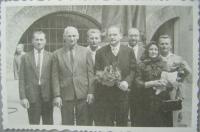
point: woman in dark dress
(148, 80)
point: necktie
(135, 52)
(38, 64)
(72, 58)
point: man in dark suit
(34, 81)
(71, 73)
(94, 40)
(137, 47)
(112, 102)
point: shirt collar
(166, 58)
(169, 55)
(136, 46)
(116, 47)
(36, 51)
(92, 50)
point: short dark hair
(93, 30)
(164, 36)
(38, 32)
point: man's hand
(123, 85)
(25, 103)
(57, 102)
(90, 98)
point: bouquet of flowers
(182, 72)
(175, 76)
(110, 76)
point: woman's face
(153, 51)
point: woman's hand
(156, 83)
(163, 82)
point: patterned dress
(150, 112)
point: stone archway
(154, 21)
(23, 18)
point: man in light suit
(94, 40)
(34, 81)
(112, 102)
(71, 73)
(138, 48)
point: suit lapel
(32, 61)
(66, 58)
(139, 54)
(108, 54)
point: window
(53, 25)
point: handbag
(171, 105)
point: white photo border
(195, 100)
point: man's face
(114, 36)
(71, 37)
(94, 39)
(164, 45)
(20, 48)
(39, 41)
(134, 37)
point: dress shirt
(170, 59)
(36, 61)
(93, 53)
(115, 49)
(135, 49)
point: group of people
(66, 79)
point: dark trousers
(134, 110)
(91, 114)
(109, 111)
(40, 109)
(74, 111)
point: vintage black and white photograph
(101, 65)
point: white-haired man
(71, 72)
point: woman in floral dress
(149, 80)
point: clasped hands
(123, 85)
(159, 85)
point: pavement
(17, 115)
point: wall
(156, 16)
(20, 18)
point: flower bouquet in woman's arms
(183, 72)
(175, 75)
(110, 76)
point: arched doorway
(53, 25)
(169, 28)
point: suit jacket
(28, 77)
(140, 52)
(68, 82)
(126, 64)
(135, 92)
